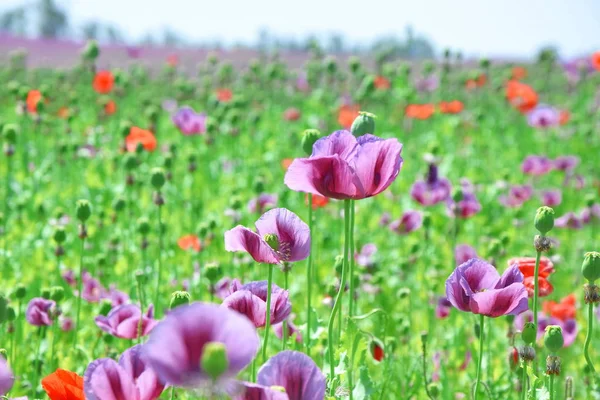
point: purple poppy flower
(566, 163)
(133, 51)
(569, 220)
(409, 222)
(7, 379)
(589, 212)
(551, 198)
(569, 330)
(292, 329)
(189, 122)
(476, 286)
(252, 391)
(69, 277)
(175, 347)
(574, 69)
(536, 165)
(226, 286)
(261, 203)
(251, 300)
(427, 84)
(93, 291)
(116, 297)
(131, 378)
(66, 323)
(366, 257)
(517, 196)
(297, 373)
(463, 253)
(293, 237)
(433, 190)
(443, 307)
(124, 321)
(169, 105)
(385, 219)
(467, 206)
(39, 311)
(344, 167)
(543, 116)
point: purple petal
(497, 302)
(377, 163)
(246, 303)
(104, 379)
(241, 238)
(292, 232)
(342, 143)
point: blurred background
(510, 30)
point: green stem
(536, 288)
(309, 276)
(337, 304)
(268, 323)
(285, 322)
(80, 294)
(158, 259)
(172, 392)
(588, 339)
(141, 299)
(351, 299)
(551, 387)
(54, 333)
(6, 210)
(524, 384)
(479, 362)
(37, 364)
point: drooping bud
(529, 333)
(57, 293)
(214, 359)
(157, 178)
(553, 338)
(363, 124)
(83, 210)
(309, 137)
(591, 266)
(179, 298)
(272, 240)
(544, 220)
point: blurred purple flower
(476, 287)
(131, 378)
(543, 116)
(169, 105)
(251, 300)
(66, 323)
(565, 163)
(569, 220)
(176, 345)
(261, 203)
(133, 51)
(385, 219)
(124, 321)
(443, 307)
(427, 84)
(517, 196)
(409, 222)
(433, 190)
(467, 206)
(292, 234)
(366, 257)
(116, 296)
(551, 198)
(297, 373)
(226, 286)
(39, 311)
(291, 330)
(189, 122)
(7, 379)
(569, 326)
(463, 253)
(253, 391)
(536, 165)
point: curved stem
(158, 273)
(351, 304)
(37, 363)
(309, 276)
(337, 304)
(479, 362)
(268, 323)
(588, 339)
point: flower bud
(143, 226)
(457, 195)
(57, 293)
(59, 235)
(10, 131)
(544, 220)
(140, 277)
(309, 137)
(213, 271)
(91, 50)
(434, 389)
(272, 240)
(83, 210)
(157, 178)
(529, 333)
(214, 359)
(179, 298)
(119, 204)
(553, 338)
(363, 124)
(105, 307)
(377, 349)
(11, 314)
(20, 291)
(591, 266)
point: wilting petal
(241, 238)
(377, 163)
(328, 176)
(293, 234)
(296, 372)
(246, 303)
(104, 379)
(497, 302)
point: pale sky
(477, 27)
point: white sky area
(477, 27)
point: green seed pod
(140, 277)
(553, 338)
(20, 291)
(363, 124)
(57, 293)
(403, 293)
(45, 293)
(309, 137)
(259, 185)
(143, 226)
(214, 359)
(434, 389)
(544, 220)
(83, 210)
(179, 298)
(91, 51)
(10, 132)
(131, 162)
(213, 272)
(591, 266)
(528, 334)
(11, 315)
(157, 178)
(484, 63)
(168, 161)
(119, 204)
(59, 235)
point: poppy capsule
(377, 350)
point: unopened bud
(544, 220)
(591, 266)
(83, 210)
(553, 338)
(363, 124)
(179, 298)
(309, 137)
(157, 178)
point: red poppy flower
(521, 96)
(291, 114)
(527, 267)
(451, 107)
(139, 135)
(103, 82)
(347, 114)
(477, 82)
(63, 112)
(189, 242)
(381, 83)
(63, 385)
(286, 162)
(33, 98)
(518, 73)
(563, 117)
(596, 60)
(377, 351)
(110, 107)
(224, 95)
(317, 201)
(173, 60)
(564, 310)
(419, 111)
